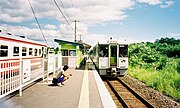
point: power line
(72, 4)
(65, 10)
(74, 8)
(63, 14)
(37, 22)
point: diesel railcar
(110, 57)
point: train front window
(16, 51)
(113, 51)
(123, 50)
(3, 50)
(103, 51)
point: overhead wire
(72, 4)
(62, 14)
(37, 22)
(65, 10)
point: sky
(130, 20)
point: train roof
(11, 37)
(105, 42)
(113, 41)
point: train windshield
(123, 50)
(103, 51)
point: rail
(126, 96)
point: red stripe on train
(19, 58)
(16, 40)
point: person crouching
(61, 76)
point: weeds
(163, 81)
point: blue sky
(145, 23)
(133, 20)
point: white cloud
(161, 3)
(150, 2)
(88, 12)
(33, 33)
(34, 24)
(14, 11)
(167, 4)
(175, 35)
(49, 26)
(94, 38)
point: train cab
(110, 57)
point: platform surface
(84, 89)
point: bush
(163, 81)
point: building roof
(63, 41)
(84, 44)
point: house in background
(86, 47)
(72, 53)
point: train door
(113, 55)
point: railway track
(124, 96)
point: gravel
(156, 98)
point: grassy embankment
(166, 80)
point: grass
(165, 81)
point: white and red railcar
(19, 56)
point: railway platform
(84, 89)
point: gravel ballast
(153, 96)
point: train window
(72, 52)
(16, 51)
(30, 51)
(3, 50)
(39, 52)
(113, 51)
(35, 52)
(123, 50)
(64, 52)
(24, 49)
(103, 51)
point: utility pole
(80, 37)
(75, 30)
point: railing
(52, 64)
(9, 77)
(16, 74)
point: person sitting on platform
(61, 76)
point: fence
(16, 74)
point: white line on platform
(84, 96)
(106, 98)
(44, 83)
